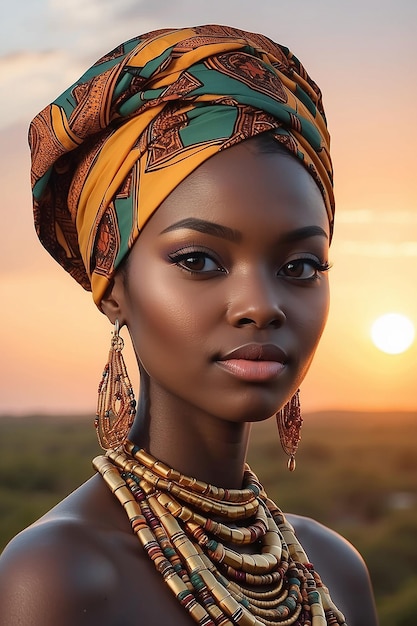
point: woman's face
(225, 294)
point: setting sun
(392, 333)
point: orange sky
(54, 341)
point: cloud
(378, 249)
(78, 33)
(30, 80)
(81, 14)
(368, 216)
(90, 29)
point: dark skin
(261, 278)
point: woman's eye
(198, 262)
(303, 269)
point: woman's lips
(254, 362)
(252, 371)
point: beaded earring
(116, 405)
(289, 423)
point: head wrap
(111, 148)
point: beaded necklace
(187, 526)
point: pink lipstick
(254, 362)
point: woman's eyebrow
(302, 233)
(209, 228)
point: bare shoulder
(81, 564)
(321, 540)
(36, 586)
(341, 568)
(55, 572)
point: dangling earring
(289, 422)
(116, 404)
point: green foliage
(400, 609)
(356, 473)
(42, 460)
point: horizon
(317, 413)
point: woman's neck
(204, 447)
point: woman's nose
(256, 299)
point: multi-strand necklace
(189, 530)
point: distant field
(356, 472)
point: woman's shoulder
(341, 568)
(313, 533)
(81, 564)
(60, 568)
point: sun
(392, 333)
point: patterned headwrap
(113, 146)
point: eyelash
(318, 266)
(177, 258)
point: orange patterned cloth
(111, 148)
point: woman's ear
(113, 301)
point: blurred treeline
(356, 472)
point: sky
(363, 54)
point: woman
(186, 180)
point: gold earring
(289, 423)
(116, 404)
